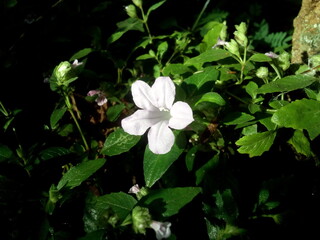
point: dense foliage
(246, 167)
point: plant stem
(200, 15)
(69, 106)
(145, 22)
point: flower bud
(262, 72)
(284, 60)
(240, 34)
(138, 3)
(141, 219)
(61, 72)
(131, 11)
(233, 47)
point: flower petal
(164, 92)
(181, 115)
(140, 121)
(143, 96)
(161, 138)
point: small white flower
(76, 63)
(158, 113)
(101, 98)
(271, 54)
(162, 229)
(134, 189)
(220, 43)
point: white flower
(158, 113)
(76, 63)
(271, 54)
(134, 189)
(101, 98)
(162, 229)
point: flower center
(165, 113)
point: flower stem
(200, 15)
(69, 106)
(145, 22)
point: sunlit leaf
(119, 142)
(79, 173)
(301, 143)
(56, 115)
(259, 57)
(82, 53)
(212, 97)
(256, 144)
(121, 203)
(300, 114)
(155, 6)
(287, 84)
(235, 118)
(210, 55)
(171, 199)
(155, 165)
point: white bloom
(76, 63)
(162, 229)
(134, 189)
(158, 113)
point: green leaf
(235, 118)
(202, 171)
(5, 153)
(121, 203)
(211, 37)
(144, 57)
(114, 112)
(251, 89)
(155, 165)
(190, 157)
(54, 152)
(125, 26)
(301, 143)
(300, 114)
(256, 144)
(119, 142)
(56, 115)
(226, 207)
(210, 55)
(155, 6)
(80, 54)
(197, 80)
(287, 84)
(77, 174)
(259, 57)
(170, 200)
(212, 97)
(175, 68)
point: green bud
(284, 60)
(138, 3)
(131, 11)
(61, 72)
(54, 194)
(240, 34)
(141, 219)
(143, 192)
(262, 72)
(233, 47)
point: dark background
(36, 35)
